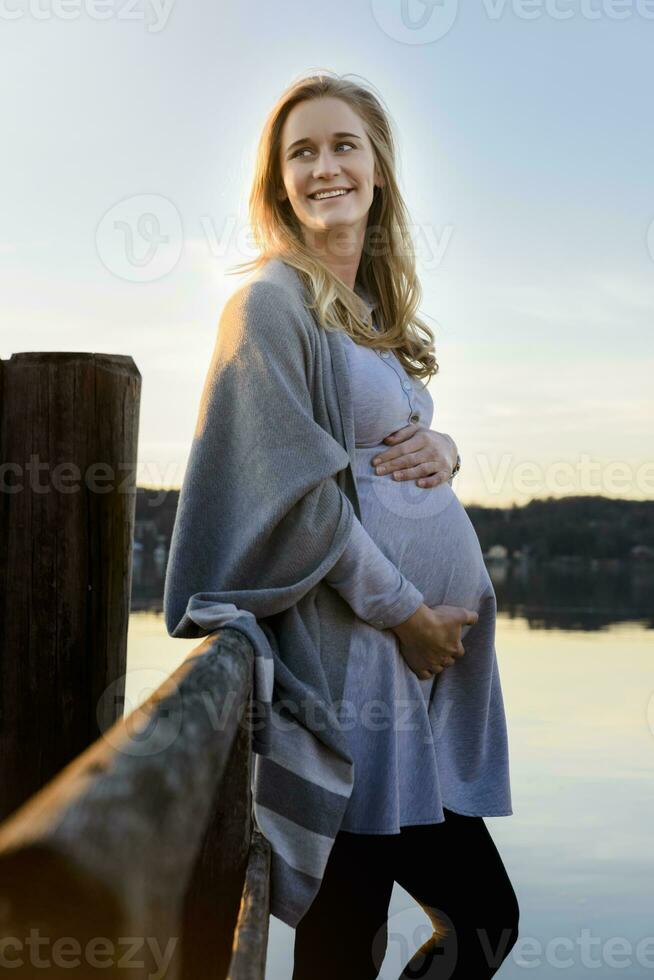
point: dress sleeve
(371, 584)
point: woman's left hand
(419, 454)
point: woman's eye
(302, 149)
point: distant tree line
(582, 526)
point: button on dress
(419, 745)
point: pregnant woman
(385, 743)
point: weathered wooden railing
(127, 841)
(147, 835)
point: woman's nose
(326, 165)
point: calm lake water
(578, 847)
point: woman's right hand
(430, 639)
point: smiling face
(324, 146)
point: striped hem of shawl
(298, 860)
(300, 837)
(291, 764)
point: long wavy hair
(387, 270)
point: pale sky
(526, 159)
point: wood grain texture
(147, 833)
(68, 442)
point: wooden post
(68, 442)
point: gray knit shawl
(265, 510)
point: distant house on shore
(497, 552)
(642, 552)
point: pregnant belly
(427, 534)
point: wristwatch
(457, 466)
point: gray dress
(418, 745)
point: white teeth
(319, 196)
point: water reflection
(575, 595)
(578, 685)
(569, 594)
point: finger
(468, 617)
(403, 433)
(383, 459)
(405, 439)
(422, 462)
(405, 455)
(438, 478)
(415, 469)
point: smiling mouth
(332, 197)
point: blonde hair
(386, 273)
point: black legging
(452, 869)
